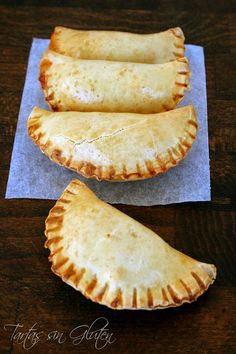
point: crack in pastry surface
(115, 146)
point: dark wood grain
(30, 293)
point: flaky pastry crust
(107, 86)
(155, 48)
(114, 146)
(114, 260)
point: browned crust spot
(79, 276)
(68, 272)
(100, 296)
(134, 301)
(41, 135)
(57, 156)
(91, 286)
(183, 60)
(150, 167)
(181, 149)
(53, 45)
(99, 172)
(149, 297)
(70, 192)
(161, 163)
(165, 108)
(89, 168)
(192, 135)
(44, 66)
(134, 175)
(175, 151)
(43, 78)
(177, 97)
(183, 72)
(188, 290)
(50, 97)
(79, 166)
(57, 209)
(37, 138)
(52, 254)
(184, 142)
(178, 55)
(172, 159)
(193, 122)
(181, 84)
(118, 299)
(54, 107)
(68, 162)
(32, 128)
(55, 220)
(179, 46)
(199, 281)
(52, 229)
(173, 295)
(124, 172)
(112, 172)
(55, 240)
(164, 295)
(65, 201)
(44, 147)
(75, 182)
(57, 266)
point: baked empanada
(114, 260)
(106, 86)
(155, 48)
(114, 146)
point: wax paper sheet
(33, 175)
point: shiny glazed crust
(114, 260)
(106, 86)
(155, 48)
(114, 146)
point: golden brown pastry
(155, 48)
(114, 260)
(114, 146)
(106, 86)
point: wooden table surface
(30, 293)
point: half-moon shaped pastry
(106, 86)
(114, 260)
(155, 48)
(114, 146)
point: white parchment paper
(33, 175)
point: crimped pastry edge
(181, 84)
(153, 168)
(179, 38)
(65, 269)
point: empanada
(114, 146)
(155, 48)
(114, 260)
(106, 86)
